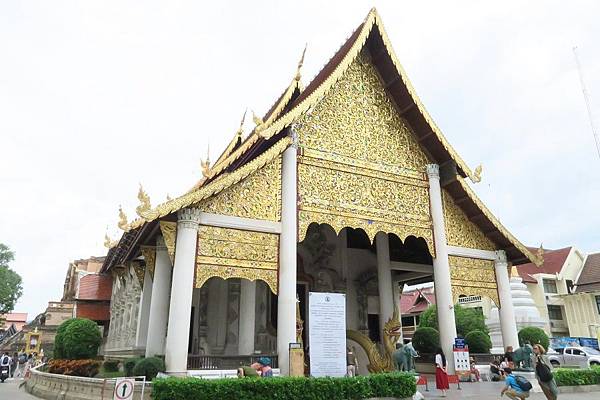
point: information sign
(327, 334)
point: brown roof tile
(95, 287)
(553, 263)
(589, 279)
(93, 311)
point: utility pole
(587, 101)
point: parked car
(580, 357)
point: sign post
(327, 334)
(462, 365)
(124, 389)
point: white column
(384, 280)
(247, 316)
(144, 314)
(508, 323)
(182, 287)
(159, 302)
(286, 308)
(441, 268)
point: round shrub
(59, 339)
(426, 340)
(533, 335)
(129, 364)
(478, 341)
(149, 367)
(81, 339)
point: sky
(98, 97)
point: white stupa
(526, 313)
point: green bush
(399, 385)
(479, 342)
(467, 320)
(426, 340)
(533, 335)
(81, 339)
(577, 377)
(129, 365)
(59, 347)
(111, 365)
(149, 367)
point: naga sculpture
(391, 333)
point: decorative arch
(473, 277)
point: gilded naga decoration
(299, 323)
(392, 331)
(122, 224)
(260, 124)
(144, 199)
(476, 178)
(108, 243)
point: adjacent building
(582, 306)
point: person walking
(351, 363)
(543, 373)
(441, 372)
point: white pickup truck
(580, 357)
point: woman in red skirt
(441, 375)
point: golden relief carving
(473, 277)
(149, 254)
(357, 119)
(460, 231)
(139, 272)
(361, 165)
(169, 233)
(258, 196)
(232, 253)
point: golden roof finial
(206, 164)
(240, 130)
(540, 252)
(123, 224)
(144, 202)
(476, 178)
(169, 197)
(257, 120)
(514, 273)
(108, 243)
(300, 64)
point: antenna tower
(587, 101)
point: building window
(549, 286)
(598, 304)
(555, 312)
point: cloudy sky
(97, 97)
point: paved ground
(9, 390)
(491, 390)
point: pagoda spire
(300, 64)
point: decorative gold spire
(108, 243)
(476, 178)
(540, 252)
(514, 273)
(240, 130)
(260, 124)
(144, 199)
(206, 164)
(123, 224)
(300, 64)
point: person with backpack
(517, 387)
(543, 373)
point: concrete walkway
(9, 390)
(491, 390)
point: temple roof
(552, 263)
(589, 278)
(269, 139)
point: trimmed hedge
(149, 367)
(577, 377)
(59, 339)
(129, 365)
(399, 385)
(111, 365)
(478, 341)
(77, 339)
(533, 335)
(426, 340)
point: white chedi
(526, 313)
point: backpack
(523, 383)
(4, 361)
(543, 371)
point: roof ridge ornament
(122, 224)
(540, 251)
(205, 164)
(476, 176)
(258, 121)
(108, 242)
(144, 205)
(240, 130)
(300, 64)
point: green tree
(426, 340)
(11, 286)
(533, 335)
(467, 319)
(479, 342)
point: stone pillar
(159, 302)
(441, 268)
(286, 308)
(397, 290)
(144, 313)
(508, 322)
(247, 317)
(182, 287)
(384, 280)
